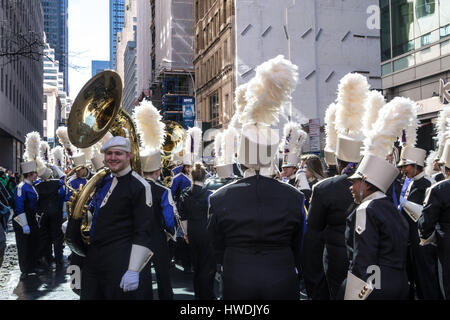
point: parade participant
(434, 223)
(442, 135)
(120, 232)
(194, 211)
(331, 198)
(6, 203)
(432, 168)
(256, 223)
(291, 144)
(51, 237)
(422, 261)
(151, 130)
(181, 181)
(224, 149)
(330, 140)
(376, 235)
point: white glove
(130, 281)
(26, 229)
(64, 226)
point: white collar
(419, 176)
(251, 172)
(28, 181)
(122, 172)
(374, 196)
(199, 183)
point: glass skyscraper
(116, 19)
(56, 30)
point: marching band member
(376, 235)
(331, 198)
(194, 212)
(151, 130)
(50, 212)
(422, 261)
(434, 223)
(26, 205)
(330, 140)
(291, 144)
(120, 234)
(256, 222)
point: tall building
(144, 48)
(21, 82)
(325, 39)
(415, 56)
(98, 66)
(56, 29)
(172, 39)
(116, 20)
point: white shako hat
(225, 149)
(331, 135)
(45, 173)
(374, 168)
(97, 161)
(28, 166)
(117, 142)
(151, 131)
(445, 158)
(264, 95)
(291, 144)
(352, 94)
(79, 160)
(412, 155)
(151, 161)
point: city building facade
(21, 81)
(98, 66)
(56, 30)
(144, 51)
(116, 20)
(415, 56)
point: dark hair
(371, 187)
(184, 167)
(26, 175)
(198, 173)
(314, 164)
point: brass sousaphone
(96, 111)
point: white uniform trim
(148, 189)
(360, 223)
(19, 189)
(111, 189)
(428, 192)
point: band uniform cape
(123, 217)
(256, 227)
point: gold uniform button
(359, 229)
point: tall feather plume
(149, 126)
(63, 137)
(429, 163)
(392, 119)
(58, 156)
(441, 128)
(32, 146)
(411, 129)
(218, 149)
(268, 90)
(44, 151)
(375, 101)
(196, 134)
(330, 127)
(352, 94)
(229, 145)
(291, 137)
(240, 102)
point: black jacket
(49, 201)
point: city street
(55, 284)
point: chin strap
(361, 190)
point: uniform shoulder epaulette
(318, 183)
(148, 188)
(437, 184)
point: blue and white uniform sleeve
(19, 199)
(168, 209)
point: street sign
(314, 135)
(188, 112)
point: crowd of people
(368, 221)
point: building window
(424, 8)
(214, 109)
(402, 27)
(425, 39)
(445, 31)
(225, 51)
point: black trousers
(51, 237)
(27, 246)
(335, 267)
(250, 274)
(103, 269)
(161, 262)
(422, 269)
(182, 253)
(202, 260)
(443, 250)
